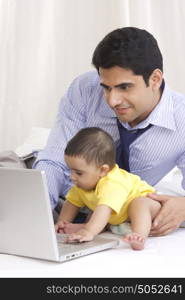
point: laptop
(26, 220)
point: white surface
(35, 141)
(162, 257)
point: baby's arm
(67, 214)
(95, 225)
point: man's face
(128, 95)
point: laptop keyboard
(75, 249)
(74, 246)
(70, 246)
(61, 238)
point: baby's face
(83, 175)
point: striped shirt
(152, 155)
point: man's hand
(170, 216)
(83, 235)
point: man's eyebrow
(124, 85)
(104, 85)
(120, 85)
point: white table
(162, 257)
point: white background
(45, 44)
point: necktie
(126, 138)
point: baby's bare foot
(135, 240)
(72, 227)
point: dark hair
(94, 145)
(130, 48)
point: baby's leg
(135, 240)
(141, 212)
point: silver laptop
(26, 220)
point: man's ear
(156, 79)
(104, 169)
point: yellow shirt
(116, 190)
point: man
(128, 98)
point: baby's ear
(104, 169)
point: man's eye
(79, 174)
(124, 88)
(107, 88)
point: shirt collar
(162, 115)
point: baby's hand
(60, 226)
(83, 235)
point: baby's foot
(135, 240)
(72, 227)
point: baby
(113, 194)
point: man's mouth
(122, 110)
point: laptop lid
(26, 220)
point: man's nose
(113, 98)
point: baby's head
(90, 155)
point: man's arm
(71, 118)
(172, 212)
(95, 225)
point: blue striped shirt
(152, 155)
